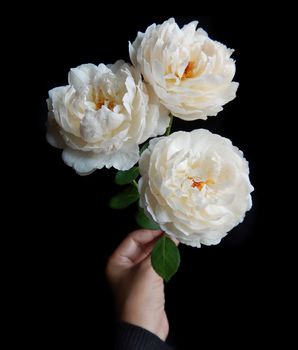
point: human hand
(138, 290)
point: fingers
(135, 247)
(141, 237)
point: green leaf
(127, 176)
(145, 146)
(145, 222)
(124, 198)
(165, 258)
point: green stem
(135, 184)
(168, 131)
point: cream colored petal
(82, 75)
(53, 135)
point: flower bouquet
(194, 186)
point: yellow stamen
(101, 103)
(200, 184)
(111, 105)
(189, 70)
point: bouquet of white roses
(194, 186)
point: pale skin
(138, 290)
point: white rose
(195, 185)
(102, 116)
(190, 73)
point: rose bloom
(195, 185)
(101, 117)
(190, 73)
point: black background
(221, 294)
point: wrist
(128, 335)
(152, 325)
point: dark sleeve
(130, 337)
